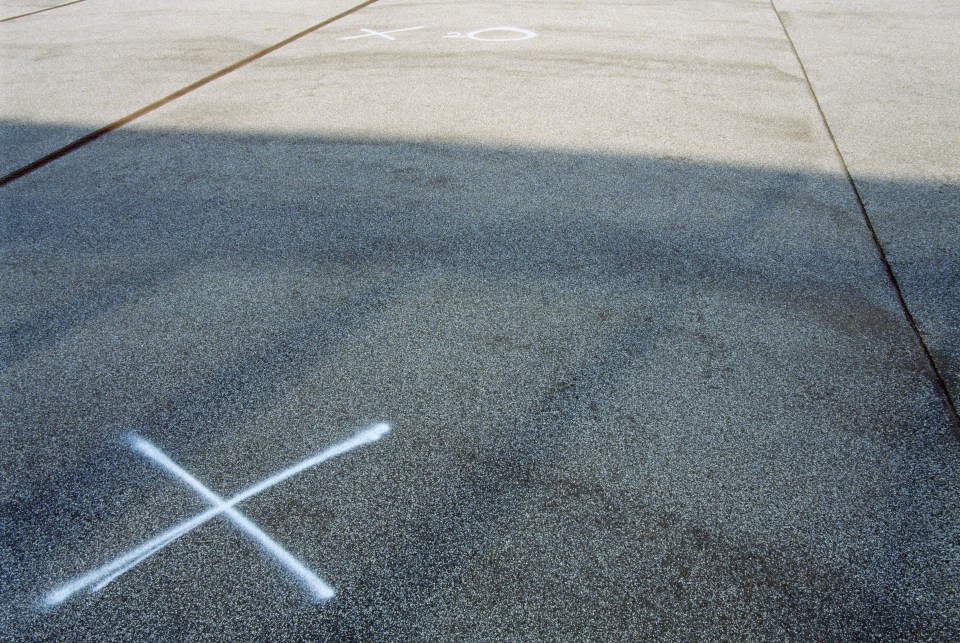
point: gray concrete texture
(647, 375)
(15, 9)
(886, 74)
(89, 64)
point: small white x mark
(382, 34)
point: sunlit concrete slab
(888, 77)
(645, 374)
(15, 9)
(658, 78)
(86, 65)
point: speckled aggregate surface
(646, 375)
(885, 73)
(16, 8)
(91, 63)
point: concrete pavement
(87, 66)
(885, 75)
(646, 373)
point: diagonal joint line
(106, 129)
(44, 10)
(940, 380)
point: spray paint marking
(382, 34)
(103, 575)
(495, 34)
(519, 34)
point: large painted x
(317, 588)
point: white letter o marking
(525, 34)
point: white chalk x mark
(318, 589)
(368, 33)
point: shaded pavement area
(646, 372)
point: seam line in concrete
(92, 136)
(33, 13)
(891, 275)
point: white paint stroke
(120, 565)
(317, 587)
(525, 34)
(367, 33)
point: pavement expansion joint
(129, 118)
(942, 387)
(44, 10)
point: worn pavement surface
(602, 270)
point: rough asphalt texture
(646, 372)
